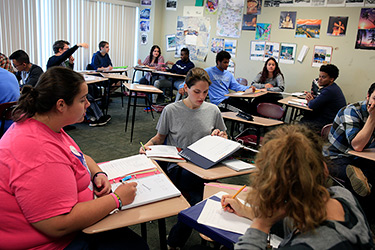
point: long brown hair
(291, 174)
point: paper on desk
(126, 166)
(89, 78)
(213, 215)
(144, 87)
(163, 151)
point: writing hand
(127, 192)
(142, 151)
(102, 185)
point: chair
(89, 67)
(325, 131)
(242, 81)
(6, 114)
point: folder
(209, 150)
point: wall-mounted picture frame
(170, 41)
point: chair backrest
(6, 114)
(270, 110)
(242, 81)
(89, 67)
(325, 131)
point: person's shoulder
(210, 106)
(36, 68)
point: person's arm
(280, 84)
(158, 139)
(235, 206)
(364, 135)
(256, 82)
(319, 101)
(34, 76)
(234, 85)
(102, 185)
(161, 65)
(18, 75)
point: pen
(143, 146)
(234, 196)
(126, 178)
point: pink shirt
(43, 174)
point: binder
(209, 150)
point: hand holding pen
(143, 148)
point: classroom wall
(356, 66)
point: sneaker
(358, 180)
(147, 109)
(101, 122)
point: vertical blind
(34, 25)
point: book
(164, 153)
(209, 150)
(238, 165)
(299, 102)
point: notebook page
(163, 151)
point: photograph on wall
(287, 53)
(335, 3)
(271, 50)
(145, 14)
(171, 5)
(230, 46)
(302, 3)
(322, 55)
(271, 3)
(263, 31)
(144, 38)
(146, 2)
(144, 26)
(210, 6)
(354, 3)
(366, 29)
(318, 3)
(249, 22)
(253, 7)
(170, 42)
(257, 49)
(286, 3)
(309, 28)
(370, 3)
(229, 19)
(337, 25)
(217, 45)
(287, 19)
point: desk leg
(134, 73)
(232, 129)
(107, 97)
(133, 118)
(162, 234)
(127, 111)
(292, 115)
(144, 230)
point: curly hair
(291, 174)
(264, 72)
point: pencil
(143, 146)
(234, 196)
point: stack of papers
(238, 165)
(164, 153)
(299, 102)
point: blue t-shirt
(100, 61)
(9, 90)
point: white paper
(193, 11)
(163, 151)
(302, 53)
(191, 39)
(213, 215)
(89, 78)
(238, 165)
(145, 87)
(126, 166)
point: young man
(327, 101)
(222, 80)
(26, 71)
(353, 129)
(100, 59)
(63, 53)
(180, 67)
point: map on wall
(229, 20)
(193, 33)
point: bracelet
(98, 173)
(118, 200)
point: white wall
(356, 66)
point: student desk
(141, 88)
(174, 76)
(246, 95)
(90, 79)
(94, 79)
(258, 122)
(143, 69)
(295, 109)
(95, 72)
(368, 153)
(132, 216)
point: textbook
(209, 151)
(238, 165)
(164, 153)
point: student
(180, 67)
(63, 53)
(181, 124)
(9, 91)
(100, 59)
(353, 129)
(5, 63)
(327, 102)
(28, 72)
(222, 80)
(289, 185)
(153, 61)
(47, 186)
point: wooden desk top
(168, 73)
(217, 172)
(142, 88)
(246, 95)
(368, 153)
(94, 79)
(137, 215)
(260, 121)
(116, 76)
(94, 72)
(289, 98)
(143, 68)
(214, 187)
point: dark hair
(59, 45)
(152, 50)
(186, 50)
(277, 71)
(56, 83)
(196, 74)
(102, 44)
(21, 56)
(331, 70)
(222, 55)
(371, 89)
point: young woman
(47, 184)
(289, 184)
(154, 61)
(270, 78)
(181, 124)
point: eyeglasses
(16, 66)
